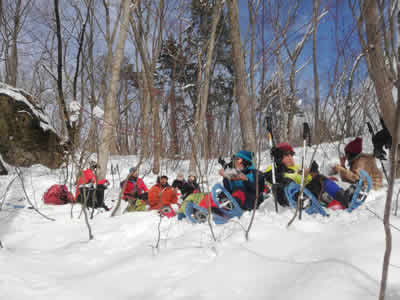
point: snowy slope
(339, 257)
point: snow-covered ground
(335, 257)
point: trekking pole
(306, 135)
(272, 144)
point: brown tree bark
(109, 105)
(200, 131)
(383, 81)
(316, 5)
(242, 92)
(148, 73)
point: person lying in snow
(161, 194)
(358, 161)
(286, 171)
(88, 187)
(241, 181)
(135, 191)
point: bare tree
(204, 84)
(109, 105)
(149, 62)
(370, 21)
(316, 5)
(241, 86)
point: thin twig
(159, 233)
(19, 173)
(380, 218)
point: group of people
(245, 183)
(161, 194)
(324, 188)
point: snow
(335, 257)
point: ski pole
(271, 144)
(306, 134)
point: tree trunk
(109, 105)
(387, 212)
(63, 105)
(149, 70)
(174, 146)
(376, 63)
(242, 93)
(317, 133)
(200, 131)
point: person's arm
(141, 185)
(348, 175)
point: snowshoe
(197, 214)
(361, 191)
(309, 203)
(167, 211)
(227, 205)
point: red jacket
(132, 187)
(87, 177)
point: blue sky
(335, 24)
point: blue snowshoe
(227, 207)
(197, 214)
(225, 202)
(310, 204)
(361, 191)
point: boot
(344, 197)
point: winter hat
(246, 155)
(285, 148)
(354, 147)
(132, 170)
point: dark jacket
(188, 188)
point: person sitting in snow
(286, 171)
(190, 186)
(135, 191)
(178, 183)
(161, 194)
(358, 161)
(242, 183)
(88, 187)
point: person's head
(163, 180)
(283, 154)
(93, 165)
(133, 172)
(243, 159)
(192, 178)
(179, 177)
(353, 148)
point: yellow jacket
(293, 173)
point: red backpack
(58, 194)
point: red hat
(354, 147)
(285, 147)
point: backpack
(58, 194)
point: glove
(221, 162)
(314, 167)
(276, 153)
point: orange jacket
(159, 196)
